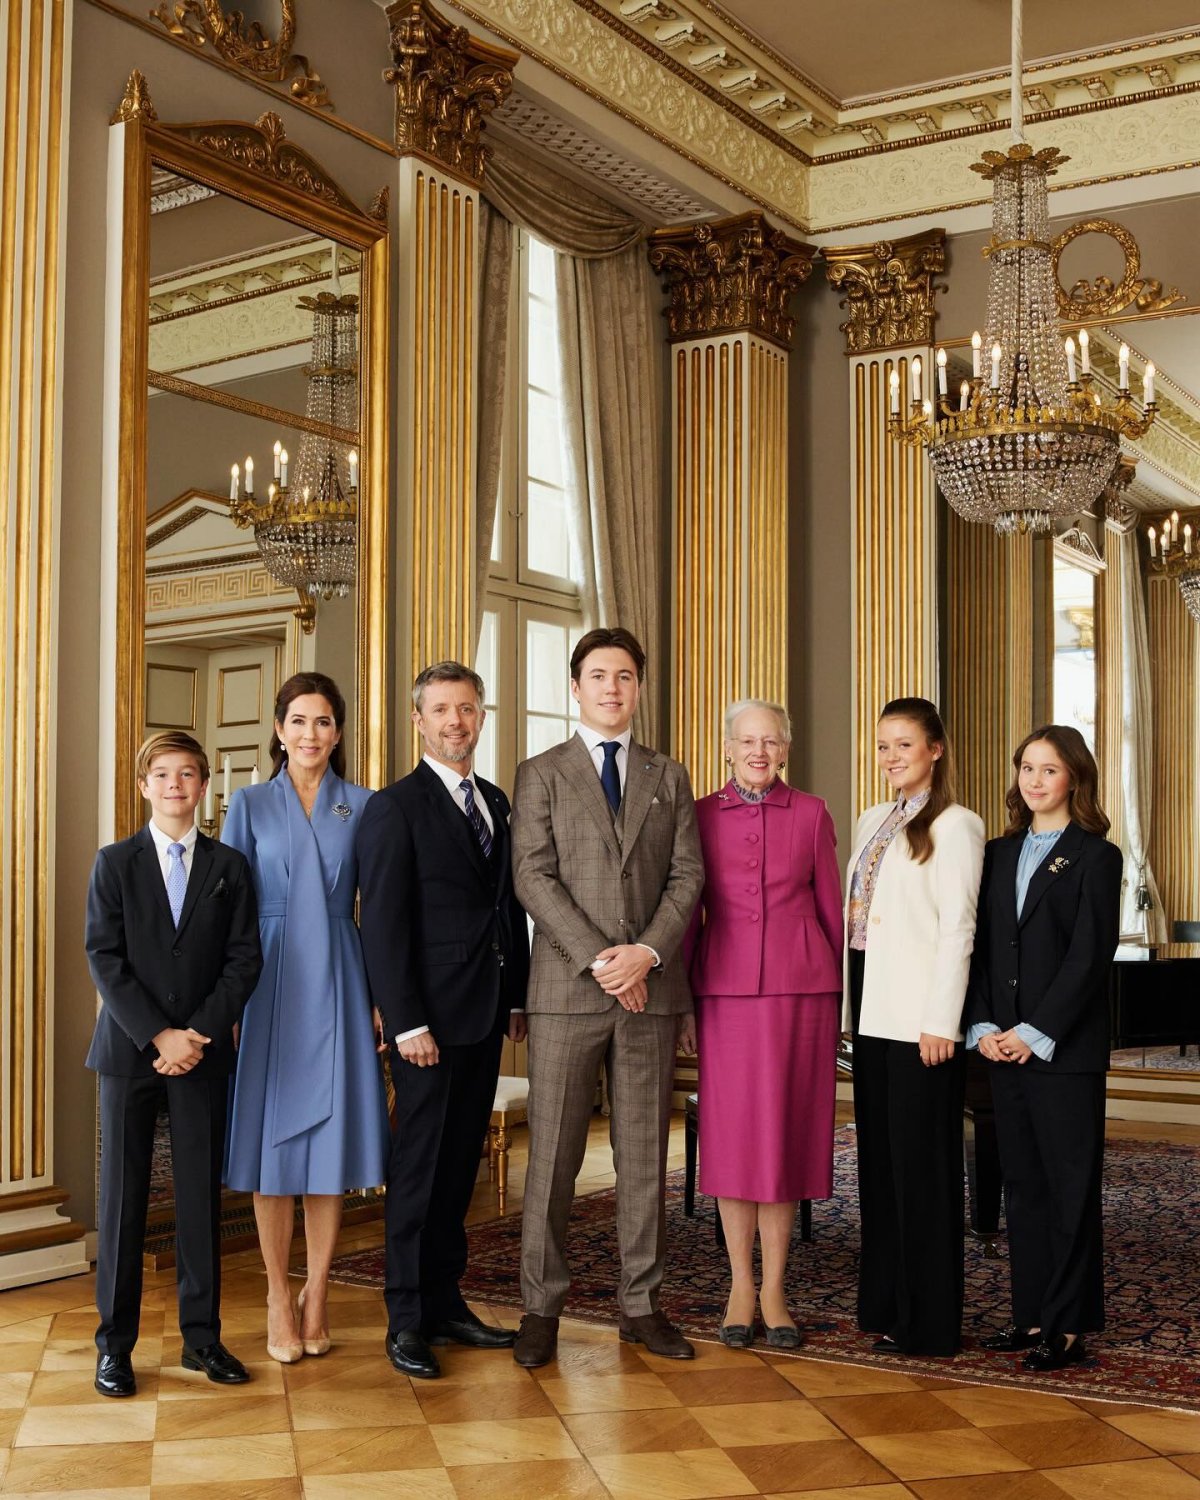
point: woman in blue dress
(308, 1113)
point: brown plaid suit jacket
(588, 884)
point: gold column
(36, 1240)
(446, 82)
(729, 284)
(888, 292)
(1119, 518)
(1175, 674)
(989, 660)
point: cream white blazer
(920, 930)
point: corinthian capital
(446, 82)
(730, 275)
(888, 289)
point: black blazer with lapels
(152, 975)
(444, 937)
(1050, 968)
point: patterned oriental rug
(1150, 1354)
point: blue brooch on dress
(1058, 865)
(342, 810)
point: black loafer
(114, 1375)
(1055, 1354)
(1009, 1340)
(217, 1363)
(411, 1355)
(466, 1328)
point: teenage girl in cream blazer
(913, 883)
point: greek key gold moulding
(246, 45)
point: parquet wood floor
(605, 1420)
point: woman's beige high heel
(319, 1345)
(287, 1354)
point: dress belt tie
(279, 909)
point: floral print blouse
(866, 872)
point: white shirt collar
(450, 775)
(593, 739)
(163, 841)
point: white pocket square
(653, 800)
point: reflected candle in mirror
(283, 467)
(353, 469)
(249, 475)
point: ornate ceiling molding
(246, 47)
(733, 275)
(1101, 297)
(888, 289)
(447, 82)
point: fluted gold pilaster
(1174, 638)
(1111, 684)
(989, 660)
(35, 1240)
(730, 285)
(888, 292)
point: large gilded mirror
(253, 359)
(250, 363)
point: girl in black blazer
(1037, 1009)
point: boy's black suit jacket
(151, 975)
(445, 939)
(1051, 968)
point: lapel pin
(1058, 865)
(342, 810)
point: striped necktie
(475, 818)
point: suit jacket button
(1012, 984)
(176, 952)
(754, 916)
(626, 875)
(495, 947)
(1012, 942)
(170, 999)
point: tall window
(532, 611)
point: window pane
(544, 438)
(548, 532)
(547, 669)
(485, 751)
(497, 554)
(485, 657)
(541, 266)
(542, 732)
(543, 345)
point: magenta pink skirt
(767, 1078)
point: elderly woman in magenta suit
(308, 1113)
(766, 974)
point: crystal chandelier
(1173, 555)
(307, 530)
(1033, 443)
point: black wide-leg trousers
(909, 1128)
(1050, 1128)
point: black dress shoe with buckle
(1054, 1354)
(410, 1353)
(1008, 1340)
(114, 1375)
(465, 1328)
(217, 1363)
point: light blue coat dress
(307, 1112)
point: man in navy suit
(447, 954)
(172, 944)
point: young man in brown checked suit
(606, 860)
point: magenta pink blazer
(769, 920)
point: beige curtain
(555, 208)
(609, 335)
(1142, 917)
(495, 287)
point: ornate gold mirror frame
(259, 166)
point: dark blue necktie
(475, 818)
(610, 779)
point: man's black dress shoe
(1056, 1354)
(411, 1355)
(1008, 1340)
(114, 1375)
(217, 1363)
(466, 1328)
(886, 1344)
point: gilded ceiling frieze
(1154, 135)
(582, 49)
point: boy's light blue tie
(176, 881)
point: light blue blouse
(1035, 848)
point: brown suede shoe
(658, 1334)
(537, 1342)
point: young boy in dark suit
(172, 944)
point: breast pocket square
(219, 891)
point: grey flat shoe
(736, 1335)
(785, 1337)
